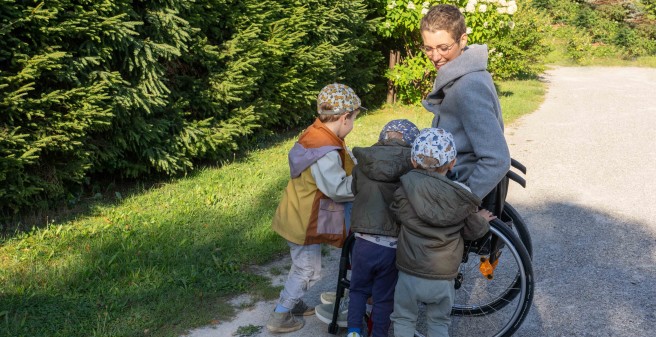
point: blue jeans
(373, 274)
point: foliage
(50, 100)
(130, 89)
(650, 8)
(413, 78)
(247, 331)
(518, 49)
(602, 27)
(522, 54)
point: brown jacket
(305, 215)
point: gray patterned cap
(407, 128)
(342, 98)
(433, 147)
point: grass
(608, 61)
(163, 260)
(246, 331)
(519, 97)
(601, 56)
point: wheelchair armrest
(516, 178)
(514, 163)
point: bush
(413, 78)
(604, 27)
(650, 8)
(522, 53)
(128, 89)
(578, 45)
(514, 36)
(560, 12)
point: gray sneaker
(302, 309)
(330, 296)
(325, 313)
(283, 322)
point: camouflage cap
(342, 99)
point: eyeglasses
(441, 49)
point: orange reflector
(487, 268)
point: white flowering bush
(487, 21)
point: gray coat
(465, 103)
(375, 178)
(436, 216)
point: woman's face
(441, 48)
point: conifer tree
(133, 88)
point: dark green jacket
(435, 214)
(375, 178)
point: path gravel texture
(590, 150)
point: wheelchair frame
(478, 300)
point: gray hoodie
(465, 103)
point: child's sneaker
(283, 322)
(302, 309)
(325, 313)
(329, 297)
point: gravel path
(591, 156)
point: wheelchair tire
(495, 307)
(511, 214)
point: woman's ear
(463, 41)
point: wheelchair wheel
(510, 214)
(496, 306)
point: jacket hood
(301, 158)
(386, 161)
(438, 200)
(473, 58)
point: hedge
(128, 89)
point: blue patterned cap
(433, 148)
(403, 126)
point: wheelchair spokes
(494, 306)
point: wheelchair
(495, 285)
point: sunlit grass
(610, 58)
(165, 259)
(520, 97)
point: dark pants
(373, 274)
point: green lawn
(603, 56)
(162, 260)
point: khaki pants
(438, 295)
(303, 274)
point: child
(436, 216)
(310, 212)
(373, 270)
(464, 100)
